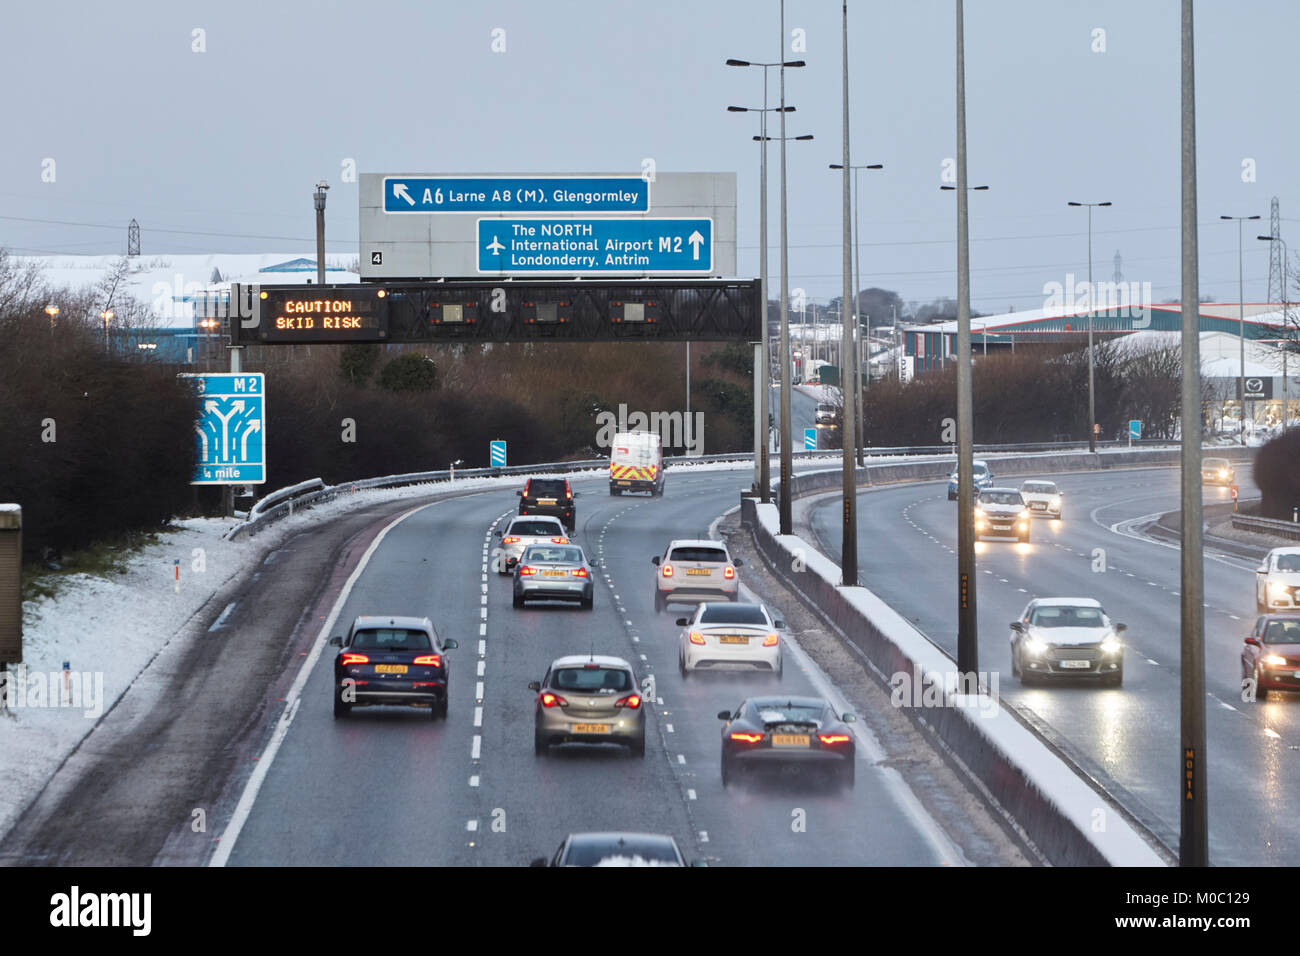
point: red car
(1271, 655)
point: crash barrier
(1282, 529)
(1065, 819)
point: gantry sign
(520, 257)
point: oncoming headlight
(1035, 646)
(1111, 646)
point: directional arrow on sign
(253, 426)
(399, 190)
(696, 240)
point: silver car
(694, 570)
(590, 698)
(554, 572)
(523, 531)
(615, 849)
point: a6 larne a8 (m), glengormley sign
(556, 225)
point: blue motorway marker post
(1134, 430)
(567, 246)
(231, 428)
(498, 452)
(810, 439)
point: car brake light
(747, 738)
(559, 541)
(430, 660)
(525, 570)
(770, 640)
(728, 572)
(668, 570)
(355, 659)
(833, 738)
(512, 539)
(568, 492)
(696, 637)
(579, 572)
(553, 700)
(631, 701)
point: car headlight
(1035, 646)
(1025, 513)
(1111, 646)
(1277, 587)
(1274, 660)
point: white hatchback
(1042, 498)
(1277, 581)
(728, 636)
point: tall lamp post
(1241, 319)
(764, 474)
(1286, 335)
(1092, 307)
(319, 196)
(857, 321)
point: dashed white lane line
(670, 727)
(471, 825)
(681, 758)
(1150, 661)
(478, 691)
(473, 781)
(476, 747)
(704, 836)
(482, 648)
(483, 613)
(690, 794)
(478, 716)
(1270, 732)
(221, 621)
(482, 665)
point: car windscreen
(1067, 617)
(1038, 488)
(554, 555)
(1215, 463)
(391, 639)
(714, 555)
(625, 851)
(979, 468)
(591, 679)
(535, 528)
(733, 614)
(1282, 632)
(1001, 498)
(789, 713)
(1288, 562)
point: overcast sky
(219, 150)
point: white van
(636, 463)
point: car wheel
(1261, 692)
(588, 603)
(1024, 538)
(660, 603)
(341, 707)
(951, 496)
(637, 747)
(442, 707)
(540, 747)
(846, 775)
(519, 600)
(1015, 664)
(681, 667)
(726, 772)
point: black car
(391, 660)
(548, 496)
(615, 849)
(787, 735)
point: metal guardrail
(1273, 526)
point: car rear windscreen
(545, 489)
(540, 528)
(790, 713)
(733, 614)
(630, 852)
(714, 555)
(554, 555)
(391, 639)
(591, 679)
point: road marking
(244, 807)
(478, 691)
(670, 727)
(1268, 732)
(481, 666)
(471, 825)
(478, 716)
(220, 622)
(476, 747)
(690, 794)
(704, 836)
(473, 781)
(483, 598)
(482, 632)
(483, 613)
(681, 758)
(482, 647)
(1150, 661)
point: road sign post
(497, 450)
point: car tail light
(668, 570)
(553, 700)
(579, 572)
(830, 739)
(568, 492)
(559, 541)
(430, 660)
(355, 659)
(747, 738)
(525, 570)
(728, 572)
(510, 539)
(696, 637)
(770, 640)
(631, 701)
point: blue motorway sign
(231, 428)
(542, 194)
(810, 439)
(1134, 429)
(498, 452)
(579, 246)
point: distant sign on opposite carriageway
(408, 233)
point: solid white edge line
(244, 807)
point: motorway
(1129, 736)
(390, 786)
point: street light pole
(1241, 319)
(848, 355)
(1193, 846)
(319, 196)
(1092, 308)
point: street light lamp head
(875, 166)
(794, 63)
(734, 62)
(805, 137)
(737, 109)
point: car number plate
(790, 740)
(591, 728)
(546, 501)
(1040, 505)
(733, 639)
(390, 668)
(554, 574)
(698, 571)
(625, 483)
(1075, 665)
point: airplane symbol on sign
(495, 246)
